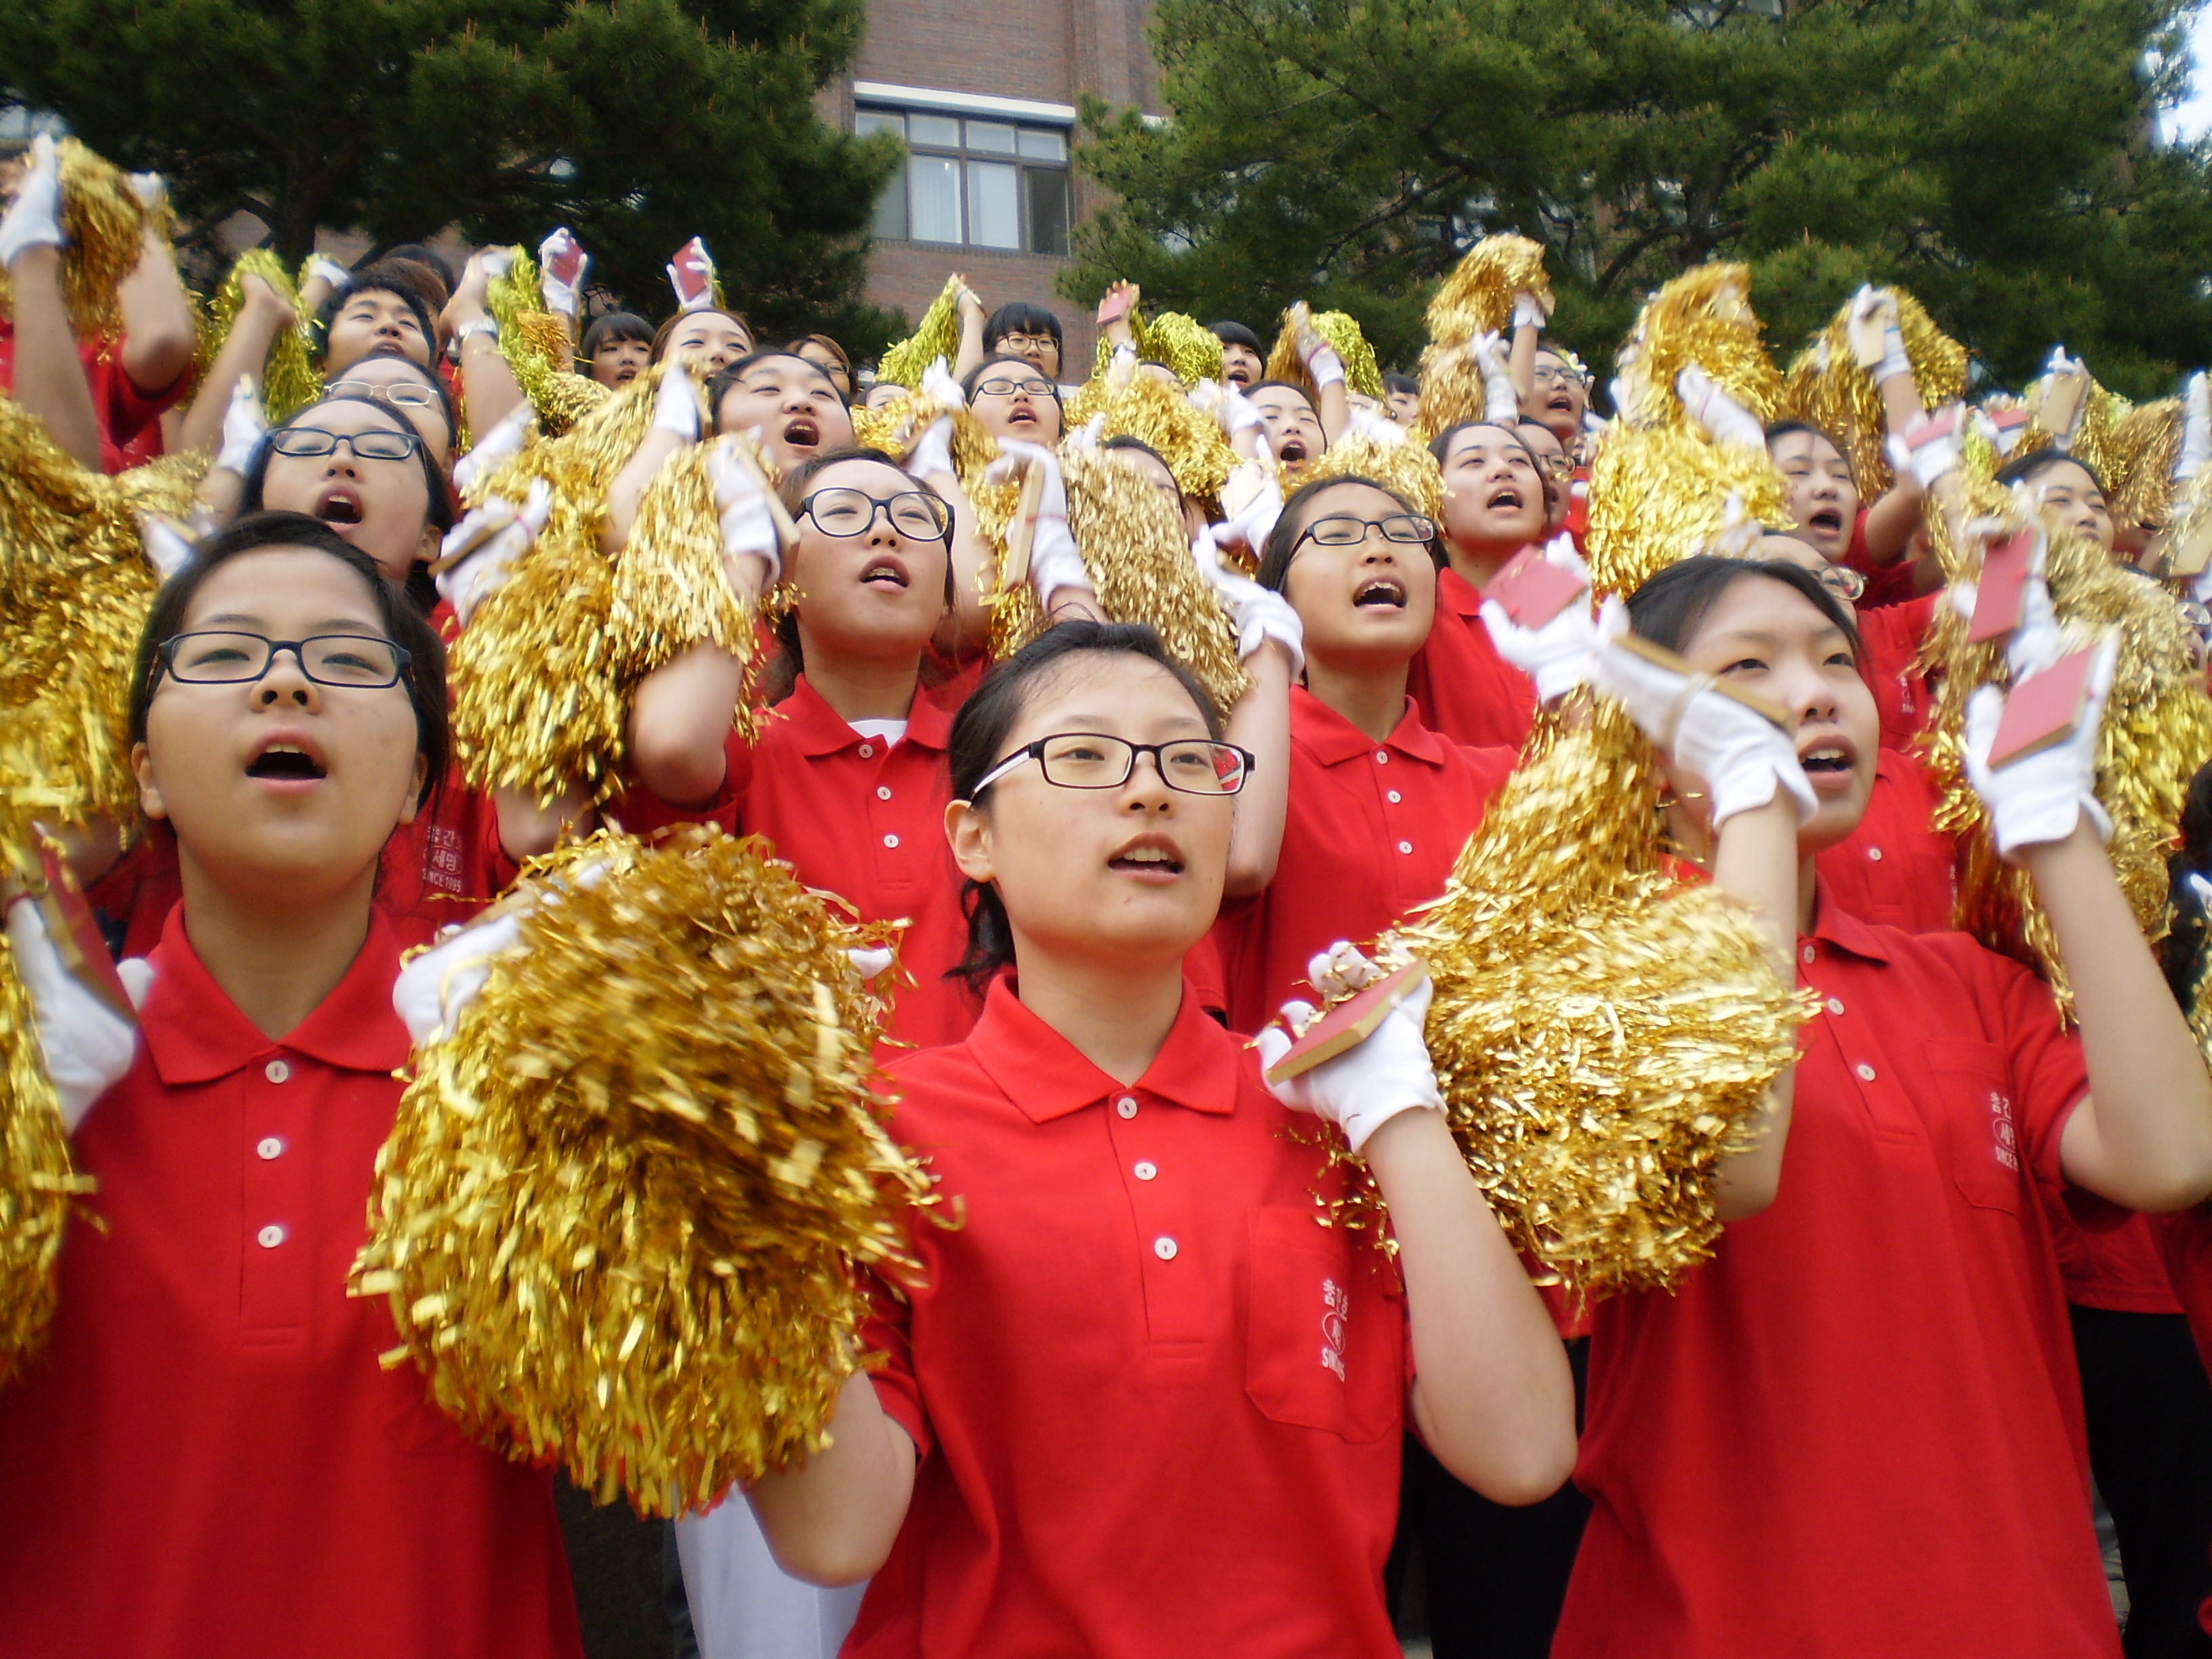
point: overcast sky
(2194, 118)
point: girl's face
(1557, 468)
(284, 783)
(1039, 350)
(617, 362)
(793, 407)
(1822, 497)
(1366, 607)
(404, 387)
(1558, 399)
(1012, 401)
(711, 340)
(1240, 365)
(1493, 495)
(1125, 878)
(868, 588)
(2071, 501)
(1765, 637)
(373, 324)
(381, 506)
(1293, 429)
(828, 363)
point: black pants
(2149, 1413)
(1496, 1576)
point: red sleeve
(644, 814)
(2185, 1240)
(887, 1334)
(124, 408)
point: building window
(984, 184)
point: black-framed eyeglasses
(1842, 580)
(221, 657)
(1015, 343)
(1092, 760)
(999, 387)
(1552, 374)
(400, 394)
(1346, 529)
(305, 442)
(843, 511)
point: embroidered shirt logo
(441, 862)
(1335, 1309)
(2007, 1143)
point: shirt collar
(195, 1033)
(1333, 739)
(1462, 597)
(1833, 924)
(821, 730)
(1043, 1073)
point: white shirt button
(1865, 1071)
(1382, 758)
(890, 840)
(1874, 852)
(269, 1237)
(268, 1146)
(276, 1070)
(1164, 1247)
(1394, 798)
(883, 792)
(1835, 1004)
(1126, 1105)
(1146, 1169)
(868, 751)
(1405, 847)
(1805, 954)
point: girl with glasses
(288, 719)
(1011, 398)
(1140, 1254)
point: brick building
(984, 96)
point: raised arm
(49, 376)
(490, 390)
(262, 313)
(675, 424)
(833, 1519)
(972, 318)
(159, 332)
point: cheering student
(1494, 506)
(1244, 359)
(2067, 491)
(709, 339)
(209, 1457)
(1011, 398)
(826, 355)
(1837, 1436)
(617, 348)
(1824, 500)
(1141, 1257)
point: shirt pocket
(1979, 1130)
(1324, 1340)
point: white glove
(86, 1047)
(1742, 756)
(1928, 447)
(932, 450)
(2195, 430)
(870, 961)
(168, 544)
(244, 426)
(1726, 420)
(34, 219)
(692, 275)
(940, 388)
(1557, 656)
(2037, 642)
(676, 405)
(1259, 614)
(151, 188)
(435, 989)
(506, 439)
(748, 525)
(1321, 359)
(1377, 429)
(1528, 311)
(561, 267)
(485, 544)
(1501, 401)
(2041, 798)
(329, 271)
(1255, 502)
(1363, 1088)
(1055, 565)
(1238, 412)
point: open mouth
(885, 573)
(1239, 377)
(1507, 500)
(1148, 855)
(1561, 403)
(802, 432)
(1383, 592)
(338, 505)
(1021, 414)
(1827, 760)
(1827, 521)
(1292, 453)
(288, 762)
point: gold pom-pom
(1183, 344)
(1138, 405)
(37, 1179)
(2145, 444)
(1407, 469)
(106, 224)
(1341, 330)
(1660, 494)
(1826, 387)
(1702, 316)
(670, 592)
(1452, 392)
(538, 350)
(1477, 298)
(288, 382)
(937, 336)
(620, 1209)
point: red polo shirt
(1896, 868)
(207, 1459)
(124, 414)
(1157, 1405)
(859, 817)
(1903, 696)
(1471, 693)
(1856, 1431)
(1373, 831)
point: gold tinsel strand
(2145, 444)
(287, 376)
(106, 224)
(538, 350)
(1452, 392)
(1477, 298)
(1341, 330)
(1702, 316)
(619, 1213)
(1826, 387)
(1140, 406)
(1183, 344)
(937, 336)
(1407, 469)
(1658, 494)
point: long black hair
(979, 737)
(1669, 608)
